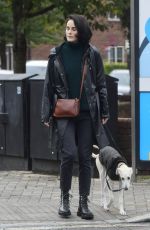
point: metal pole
(133, 100)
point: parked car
(32, 67)
(124, 84)
(36, 67)
(5, 71)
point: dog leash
(111, 138)
(113, 190)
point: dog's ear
(95, 149)
(117, 171)
(131, 170)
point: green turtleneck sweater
(72, 54)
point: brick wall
(114, 36)
(40, 52)
(124, 137)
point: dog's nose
(125, 188)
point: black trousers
(77, 139)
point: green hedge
(108, 67)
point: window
(112, 17)
(116, 54)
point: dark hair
(84, 31)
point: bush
(108, 67)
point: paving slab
(30, 201)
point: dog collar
(119, 165)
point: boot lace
(66, 198)
(84, 201)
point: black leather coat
(94, 85)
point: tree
(23, 10)
(5, 30)
(122, 8)
(25, 13)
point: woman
(76, 135)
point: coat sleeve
(101, 85)
(48, 93)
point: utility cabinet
(14, 121)
(40, 154)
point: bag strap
(83, 77)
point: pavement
(30, 201)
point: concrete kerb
(139, 219)
(63, 225)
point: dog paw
(123, 212)
(101, 204)
(106, 208)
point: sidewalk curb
(140, 218)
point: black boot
(83, 210)
(64, 209)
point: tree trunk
(3, 54)
(19, 43)
(20, 49)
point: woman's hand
(104, 120)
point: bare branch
(40, 12)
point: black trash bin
(41, 158)
(14, 122)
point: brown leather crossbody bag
(69, 107)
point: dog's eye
(122, 178)
(128, 178)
